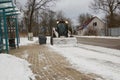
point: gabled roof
(86, 23)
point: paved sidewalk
(47, 65)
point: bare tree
(108, 6)
(52, 21)
(60, 15)
(34, 5)
(48, 20)
(84, 17)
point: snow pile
(25, 41)
(48, 39)
(13, 68)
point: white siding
(100, 24)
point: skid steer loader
(61, 35)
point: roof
(86, 23)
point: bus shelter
(9, 36)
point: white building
(94, 24)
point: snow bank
(25, 41)
(105, 37)
(48, 39)
(13, 68)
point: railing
(8, 16)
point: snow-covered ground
(25, 41)
(103, 62)
(13, 68)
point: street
(109, 42)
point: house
(93, 26)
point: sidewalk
(47, 65)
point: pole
(5, 30)
(17, 32)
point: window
(94, 23)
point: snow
(48, 39)
(105, 37)
(103, 62)
(25, 55)
(70, 41)
(100, 49)
(13, 68)
(88, 59)
(25, 41)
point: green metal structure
(9, 35)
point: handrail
(1, 2)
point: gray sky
(73, 8)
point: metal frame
(4, 13)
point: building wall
(99, 27)
(100, 24)
(81, 32)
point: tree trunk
(30, 33)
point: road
(98, 41)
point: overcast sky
(73, 8)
